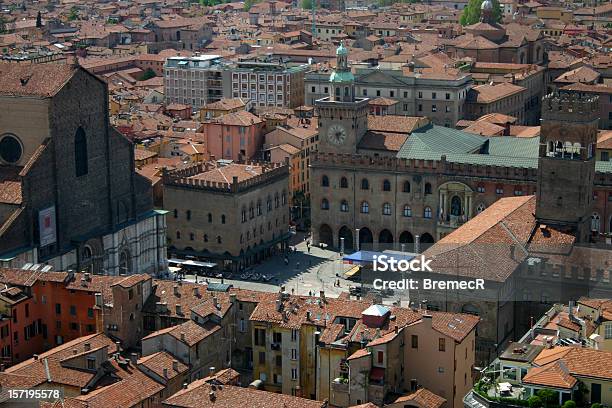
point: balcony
(275, 346)
(452, 221)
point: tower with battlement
(566, 166)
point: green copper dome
(341, 76)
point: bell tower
(566, 164)
(343, 117)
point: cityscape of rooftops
(306, 204)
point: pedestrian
(308, 247)
(297, 265)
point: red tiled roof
(42, 80)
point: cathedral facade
(70, 196)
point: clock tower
(343, 118)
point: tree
(248, 4)
(2, 25)
(148, 74)
(38, 20)
(306, 4)
(74, 13)
(548, 397)
(534, 402)
(471, 13)
(569, 404)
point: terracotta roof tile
(43, 80)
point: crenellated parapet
(570, 107)
(262, 173)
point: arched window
(175, 213)
(386, 185)
(205, 238)
(284, 198)
(80, 152)
(344, 207)
(218, 239)
(188, 213)
(365, 184)
(243, 215)
(324, 204)
(427, 188)
(251, 211)
(269, 203)
(222, 218)
(343, 182)
(406, 188)
(259, 207)
(178, 234)
(276, 200)
(427, 212)
(407, 211)
(365, 207)
(324, 181)
(209, 217)
(595, 222)
(386, 209)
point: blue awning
(366, 257)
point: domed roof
(486, 5)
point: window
(420, 108)
(499, 189)
(365, 207)
(380, 357)
(222, 218)
(480, 208)
(175, 213)
(343, 182)
(90, 313)
(434, 108)
(441, 344)
(10, 149)
(427, 188)
(73, 310)
(178, 234)
(386, 209)
(480, 188)
(608, 330)
(407, 211)
(191, 236)
(210, 217)
(365, 184)
(279, 361)
(80, 153)
(91, 363)
(415, 341)
(386, 185)
(188, 213)
(294, 373)
(427, 212)
(324, 181)
(324, 204)
(344, 207)
(406, 187)
(262, 357)
(58, 308)
(294, 354)
(447, 95)
(260, 337)
(433, 95)
(518, 191)
(420, 94)
(219, 239)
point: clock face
(336, 134)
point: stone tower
(343, 118)
(566, 165)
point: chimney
(232, 298)
(87, 276)
(118, 347)
(175, 365)
(322, 295)
(178, 309)
(134, 358)
(87, 346)
(176, 290)
(396, 329)
(211, 370)
(196, 291)
(165, 373)
(279, 305)
(182, 336)
(185, 385)
(427, 320)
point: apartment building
(504, 98)
(324, 348)
(268, 83)
(194, 81)
(202, 79)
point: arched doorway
(406, 241)
(426, 238)
(385, 237)
(365, 238)
(345, 233)
(326, 236)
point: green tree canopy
(148, 74)
(248, 4)
(471, 13)
(306, 4)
